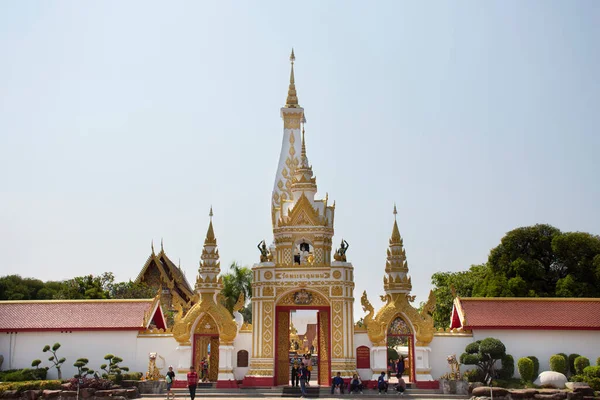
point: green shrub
(579, 364)
(133, 376)
(26, 374)
(508, 367)
(592, 372)
(558, 363)
(571, 360)
(526, 369)
(592, 381)
(474, 375)
(536, 366)
(30, 385)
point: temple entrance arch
(401, 338)
(302, 300)
(206, 348)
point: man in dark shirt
(338, 382)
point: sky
(121, 123)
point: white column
(378, 361)
(225, 363)
(184, 361)
(422, 366)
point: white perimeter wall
(27, 346)
(441, 348)
(545, 343)
(519, 343)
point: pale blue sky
(122, 122)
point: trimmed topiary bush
(30, 385)
(508, 367)
(580, 363)
(571, 360)
(133, 376)
(558, 363)
(484, 355)
(536, 365)
(526, 369)
(474, 375)
(592, 372)
(26, 374)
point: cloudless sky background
(122, 122)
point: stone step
(288, 391)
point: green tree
(130, 290)
(237, 280)
(82, 368)
(58, 362)
(86, 287)
(526, 253)
(533, 261)
(484, 354)
(462, 283)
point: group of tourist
(301, 371)
(395, 367)
(356, 386)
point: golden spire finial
(303, 151)
(161, 245)
(210, 234)
(292, 97)
(152, 246)
(396, 238)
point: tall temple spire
(210, 266)
(210, 234)
(292, 97)
(396, 268)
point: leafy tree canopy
(14, 287)
(533, 261)
(236, 281)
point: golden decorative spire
(161, 246)
(210, 234)
(396, 238)
(152, 246)
(292, 97)
(396, 267)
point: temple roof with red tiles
(526, 313)
(44, 315)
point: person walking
(400, 366)
(382, 384)
(169, 378)
(303, 376)
(307, 362)
(192, 382)
(295, 375)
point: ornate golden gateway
(399, 304)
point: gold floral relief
(324, 375)
(283, 364)
(337, 329)
(336, 291)
(292, 120)
(268, 275)
(337, 274)
(267, 340)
